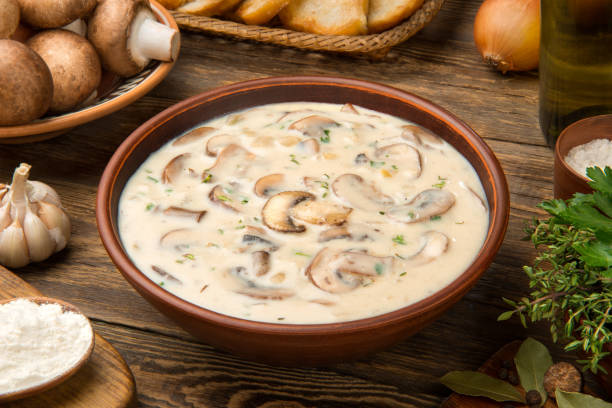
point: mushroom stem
(152, 40)
(78, 26)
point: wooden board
(105, 381)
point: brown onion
(507, 34)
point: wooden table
(172, 370)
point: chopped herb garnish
(169, 190)
(280, 318)
(326, 175)
(376, 164)
(150, 206)
(212, 244)
(256, 219)
(293, 159)
(379, 268)
(207, 178)
(180, 261)
(325, 139)
(324, 194)
(244, 201)
(161, 283)
(224, 198)
(326, 131)
(399, 239)
(381, 212)
(394, 167)
(302, 254)
(240, 227)
(203, 288)
(153, 179)
(148, 171)
(459, 222)
(189, 256)
(441, 183)
(220, 231)
(399, 256)
(403, 273)
(411, 215)
(228, 190)
(435, 218)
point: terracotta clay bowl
(299, 344)
(114, 93)
(568, 181)
(55, 381)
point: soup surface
(304, 213)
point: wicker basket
(373, 45)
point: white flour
(38, 343)
(597, 152)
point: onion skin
(507, 34)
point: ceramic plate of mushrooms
(111, 53)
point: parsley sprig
(571, 278)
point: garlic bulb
(33, 224)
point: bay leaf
(532, 360)
(578, 400)
(481, 385)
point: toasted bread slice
(331, 17)
(172, 4)
(201, 7)
(385, 14)
(260, 11)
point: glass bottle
(575, 63)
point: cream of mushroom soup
(304, 213)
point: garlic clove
(13, 247)
(5, 216)
(38, 239)
(57, 223)
(38, 192)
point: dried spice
(481, 385)
(532, 360)
(563, 376)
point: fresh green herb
(224, 198)
(220, 231)
(161, 283)
(302, 254)
(411, 215)
(399, 239)
(280, 318)
(376, 164)
(459, 222)
(403, 273)
(381, 212)
(256, 219)
(293, 159)
(571, 277)
(244, 200)
(399, 256)
(324, 194)
(394, 167)
(148, 171)
(326, 175)
(169, 190)
(189, 256)
(379, 268)
(532, 361)
(325, 139)
(326, 131)
(149, 206)
(153, 179)
(240, 227)
(207, 178)
(180, 261)
(435, 218)
(441, 183)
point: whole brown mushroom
(127, 36)
(27, 87)
(54, 13)
(9, 17)
(74, 65)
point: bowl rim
(72, 119)
(568, 130)
(499, 212)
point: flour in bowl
(39, 343)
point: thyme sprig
(571, 277)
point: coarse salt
(39, 343)
(597, 153)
